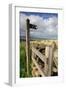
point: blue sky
(47, 24)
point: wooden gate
(46, 66)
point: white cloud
(46, 26)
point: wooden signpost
(27, 46)
(28, 43)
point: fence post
(50, 60)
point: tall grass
(23, 68)
(22, 59)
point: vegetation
(23, 72)
(22, 59)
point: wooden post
(50, 61)
(27, 45)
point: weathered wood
(43, 58)
(34, 61)
(54, 69)
(55, 57)
(50, 61)
(47, 51)
(48, 66)
(40, 55)
(27, 46)
(56, 63)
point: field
(22, 59)
(23, 72)
(34, 43)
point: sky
(47, 24)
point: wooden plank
(56, 63)
(43, 58)
(34, 61)
(40, 55)
(47, 51)
(50, 61)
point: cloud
(47, 27)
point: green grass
(23, 72)
(22, 59)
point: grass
(23, 72)
(22, 59)
(23, 68)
